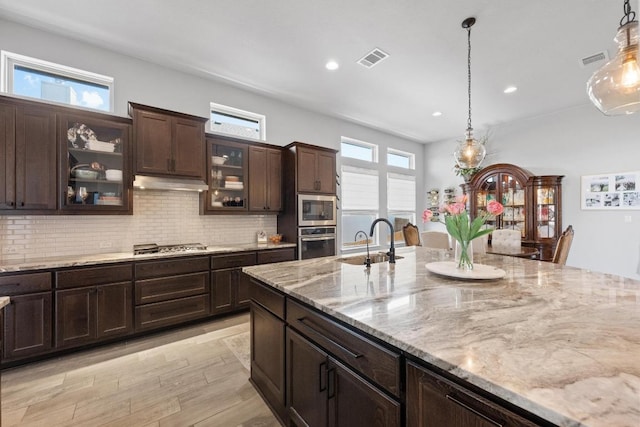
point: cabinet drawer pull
(473, 410)
(308, 324)
(322, 376)
(11, 203)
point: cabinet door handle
(452, 398)
(322, 376)
(331, 383)
(353, 354)
(21, 203)
(11, 203)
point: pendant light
(470, 152)
(615, 88)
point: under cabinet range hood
(144, 182)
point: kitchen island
(560, 343)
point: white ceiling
(279, 48)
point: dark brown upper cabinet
(316, 170)
(168, 143)
(265, 179)
(95, 176)
(28, 156)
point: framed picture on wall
(614, 191)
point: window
(233, 121)
(400, 159)
(355, 149)
(401, 201)
(35, 78)
(360, 204)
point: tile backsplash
(162, 217)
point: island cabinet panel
(373, 361)
(171, 291)
(321, 391)
(267, 357)
(93, 304)
(433, 400)
(27, 329)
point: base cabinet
(229, 285)
(27, 329)
(87, 315)
(171, 292)
(435, 401)
(267, 357)
(93, 304)
(321, 391)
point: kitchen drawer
(267, 298)
(160, 314)
(233, 261)
(168, 288)
(368, 358)
(91, 276)
(17, 284)
(276, 255)
(172, 267)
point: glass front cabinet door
(95, 166)
(532, 204)
(508, 187)
(547, 198)
(227, 168)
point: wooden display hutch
(532, 204)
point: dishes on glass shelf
(546, 231)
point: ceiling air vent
(600, 56)
(372, 58)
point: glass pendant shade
(615, 88)
(470, 152)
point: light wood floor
(185, 377)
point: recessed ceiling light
(332, 65)
(437, 113)
(510, 89)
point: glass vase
(464, 255)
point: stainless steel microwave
(315, 210)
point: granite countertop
(4, 301)
(560, 342)
(80, 260)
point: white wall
(575, 142)
(147, 83)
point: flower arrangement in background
(462, 229)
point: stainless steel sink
(359, 259)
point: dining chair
(435, 239)
(506, 238)
(411, 235)
(562, 247)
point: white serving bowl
(217, 160)
(113, 174)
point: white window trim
(410, 156)
(225, 109)
(353, 141)
(8, 60)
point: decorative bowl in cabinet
(217, 160)
(113, 174)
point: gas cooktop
(152, 248)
